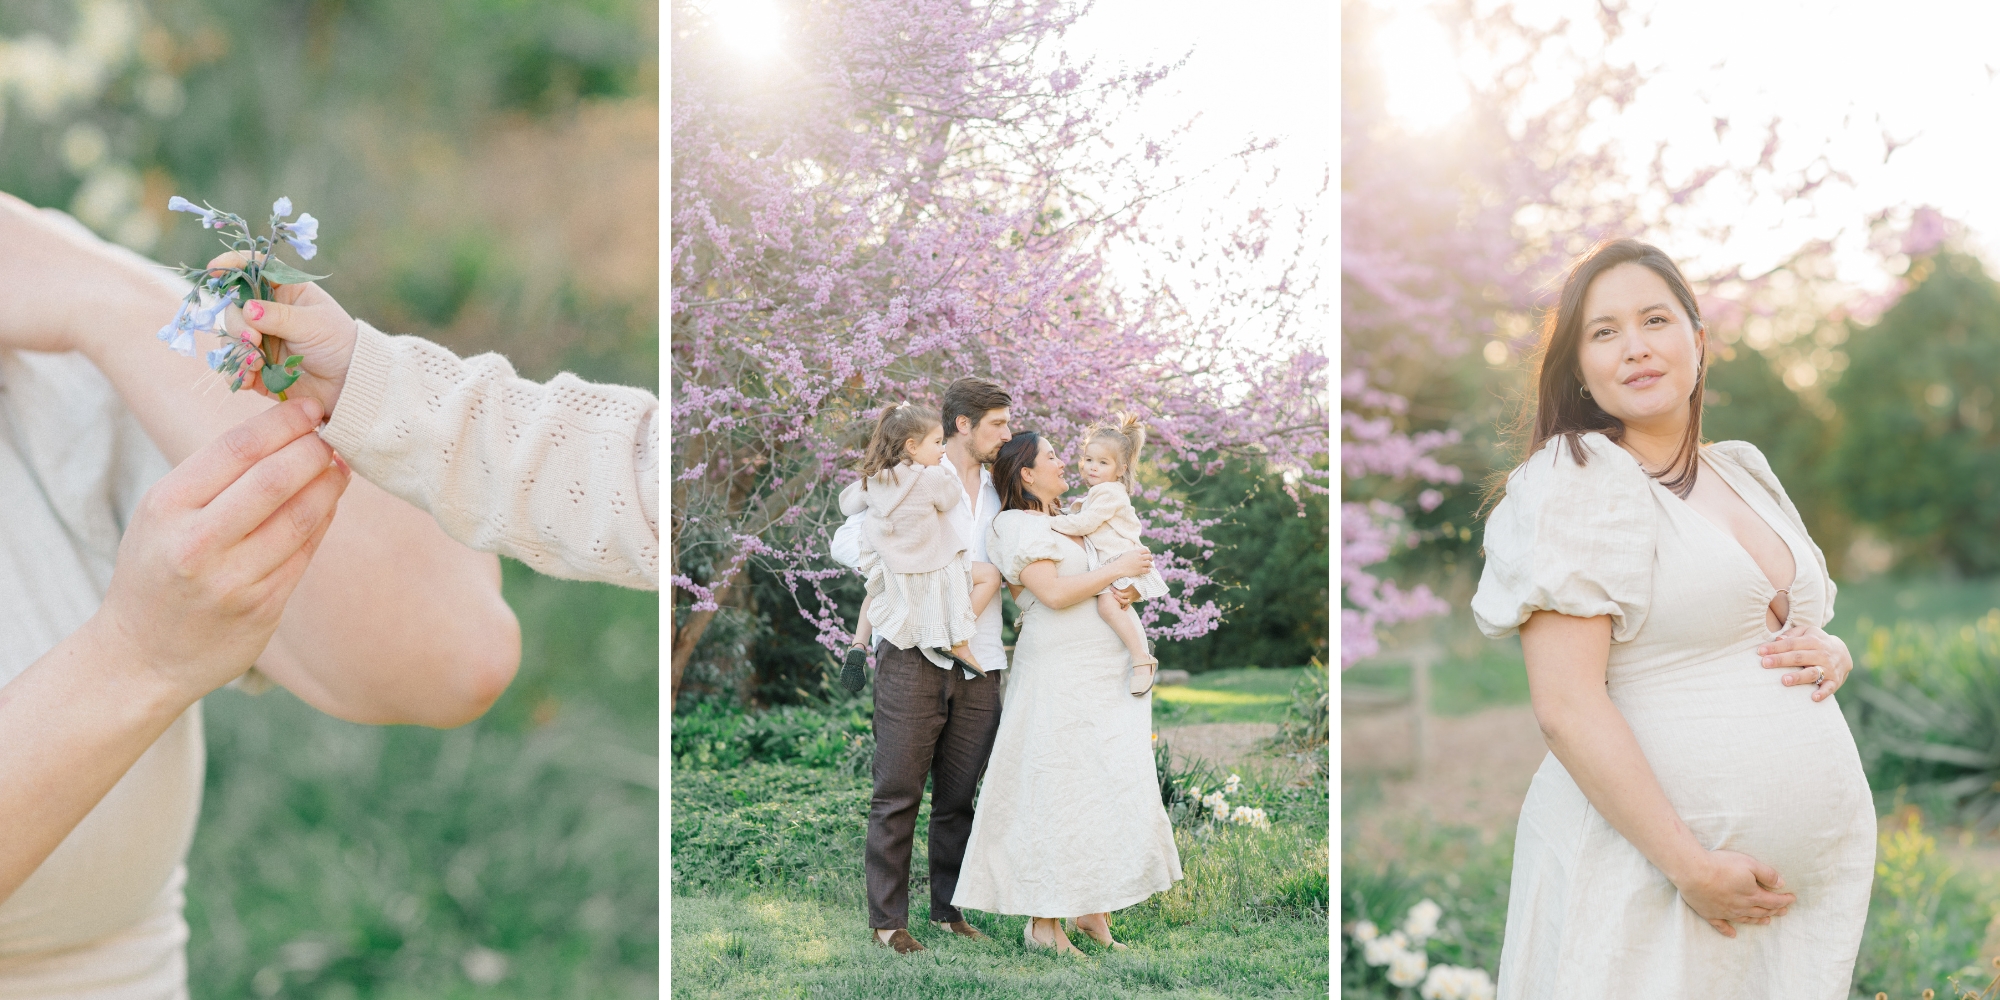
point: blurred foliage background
(486, 173)
(1269, 565)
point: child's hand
(311, 324)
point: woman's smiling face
(1639, 352)
(1044, 479)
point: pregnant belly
(1753, 766)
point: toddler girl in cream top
(1105, 517)
(922, 591)
(562, 475)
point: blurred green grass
(341, 860)
(1248, 694)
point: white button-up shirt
(973, 520)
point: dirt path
(1476, 775)
(1224, 744)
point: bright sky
(1262, 69)
(1840, 75)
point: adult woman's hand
(1728, 887)
(1814, 656)
(204, 569)
(216, 546)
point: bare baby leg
(1134, 637)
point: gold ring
(1822, 674)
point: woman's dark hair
(1559, 405)
(1016, 455)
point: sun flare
(751, 27)
(1419, 71)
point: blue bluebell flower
(300, 235)
(179, 334)
(210, 218)
(218, 357)
(209, 319)
(282, 207)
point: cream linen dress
(1069, 820)
(1749, 764)
(101, 918)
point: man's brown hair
(972, 397)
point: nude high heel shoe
(1071, 925)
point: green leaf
(293, 361)
(285, 274)
(276, 379)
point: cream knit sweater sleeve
(564, 476)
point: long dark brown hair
(1016, 455)
(1559, 405)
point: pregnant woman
(1701, 826)
(1069, 822)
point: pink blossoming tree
(916, 190)
(1455, 240)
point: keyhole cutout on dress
(1728, 511)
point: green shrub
(767, 824)
(1925, 710)
(1305, 734)
(1925, 920)
(713, 735)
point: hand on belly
(1729, 887)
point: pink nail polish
(254, 310)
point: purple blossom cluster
(915, 194)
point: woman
(1069, 819)
(159, 540)
(1701, 827)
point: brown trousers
(931, 723)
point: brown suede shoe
(960, 928)
(899, 940)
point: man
(931, 719)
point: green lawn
(1253, 694)
(1885, 600)
(1492, 674)
(1460, 685)
(336, 860)
(768, 897)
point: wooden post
(1420, 706)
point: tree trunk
(687, 636)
